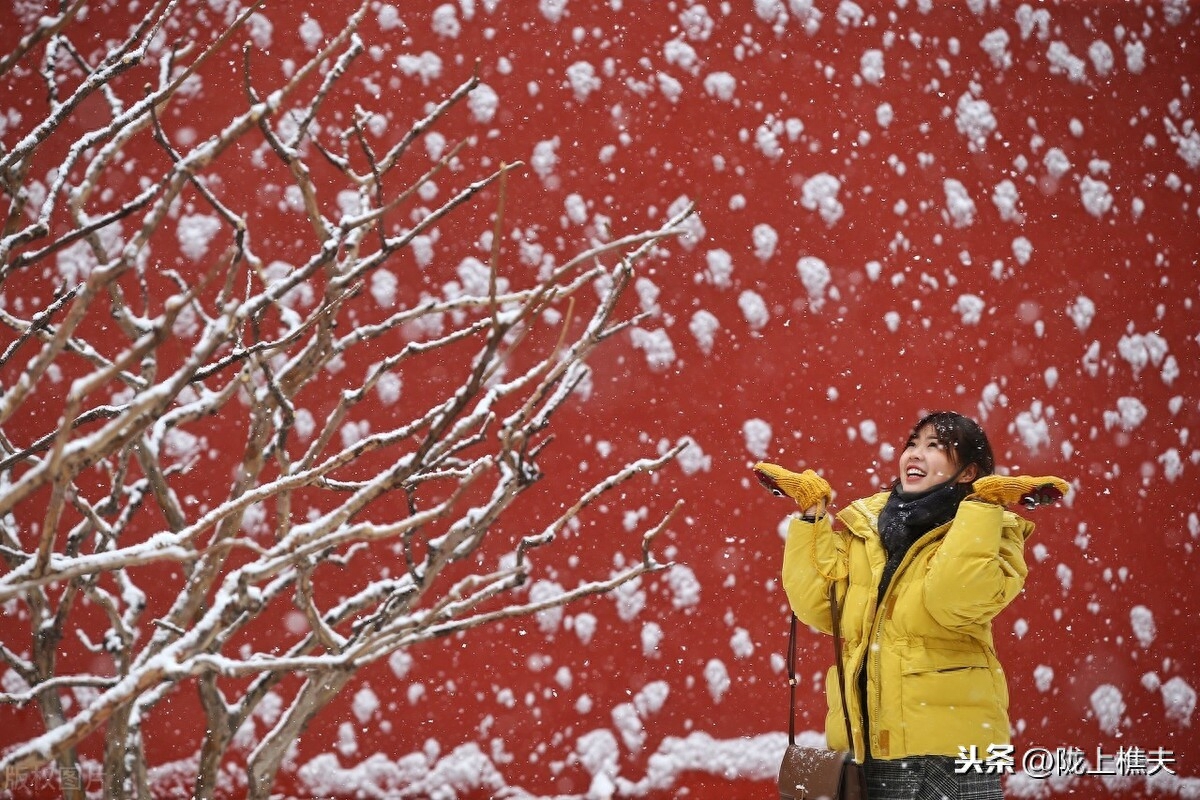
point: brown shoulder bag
(815, 773)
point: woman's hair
(963, 437)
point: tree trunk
(266, 758)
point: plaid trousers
(928, 778)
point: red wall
(831, 377)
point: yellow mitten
(1030, 492)
(806, 488)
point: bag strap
(836, 614)
(792, 682)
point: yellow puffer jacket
(934, 684)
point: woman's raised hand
(1006, 490)
(810, 491)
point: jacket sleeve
(978, 569)
(814, 555)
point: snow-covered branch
(190, 426)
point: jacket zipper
(876, 640)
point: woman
(921, 571)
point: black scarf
(907, 516)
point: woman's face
(925, 462)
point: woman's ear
(969, 474)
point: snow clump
(693, 226)
(720, 268)
(584, 625)
(720, 85)
(311, 33)
(1174, 11)
(869, 431)
(717, 678)
(1056, 162)
(400, 662)
(598, 751)
(820, 194)
(625, 720)
(1005, 198)
(757, 434)
(1187, 142)
(1142, 349)
(741, 644)
(1172, 464)
(975, 120)
(685, 589)
(581, 77)
(704, 327)
(1063, 61)
(1142, 621)
(389, 17)
(648, 292)
(389, 388)
(427, 66)
(1101, 56)
(766, 137)
(680, 54)
(696, 23)
(652, 636)
(1108, 705)
(692, 459)
(548, 619)
(765, 240)
(384, 285)
(960, 208)
(483, 102)
(754, 309)
(576, 208)
(1095, 196)
(1135, 57)
(871, 66)
(445, 21)
(194, 232)
(1179, 701)
(1081, 312)
(850, 14)
(261, 31)
(995, 44)
(814, 274)
(884, 114)
(1033, 428)
(971, 307)
(1130, 413)
(553, 10)
(670, 86)
(652, 698)
(656, 344)
(545, 158)
(354, 432)
(365, 704)
(1022, 250)
(1031, 21)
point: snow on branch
(192, 425)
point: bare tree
(109, 385)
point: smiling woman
(943, 447)
(920, 572)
